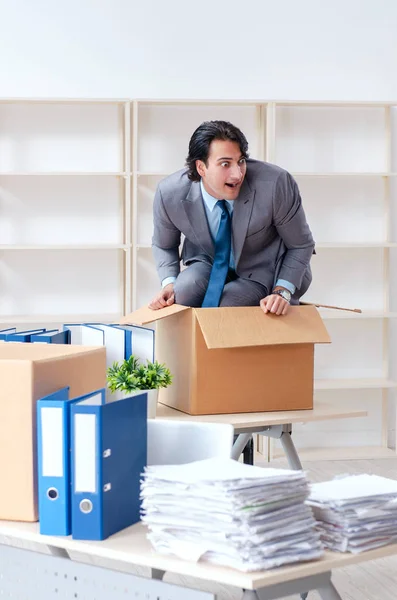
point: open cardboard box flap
(248, 326)
(145, 315)
(238, 327)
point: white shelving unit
(160, 136)
(341, 156)
(65, 233)
(77, 181)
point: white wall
(281, 49)
(258, 49)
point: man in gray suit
(268, 257)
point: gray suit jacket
(270, 235)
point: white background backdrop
(284, 49)
(258, 49)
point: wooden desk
(130, 546)
(271, 424)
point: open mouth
(233, 185)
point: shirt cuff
(285, 284)
(168, 280)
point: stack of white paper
(355, 513)
(228, 513)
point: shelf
(64, 173)
(65, 318)
(24, 247)
(345, 314)
(345, 174)
(335, 245)
(151, 174)
(339, 453)
(64, 100)
(187, 101)
(334, 103)
(353, 384)
(294, 174)
(330, 245)
(239, 101)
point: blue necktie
(220, 266)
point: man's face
(224, 173)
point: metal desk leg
(249, 595)
(321, 582)
(61, 552)
(240, 443)
(283, 433)
(329, 592)
(157, 574)
(290, 450)
(248, 452)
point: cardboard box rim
(145, 315)
(292, 391)
(52, 351)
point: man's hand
(274, 304)
(164, 298)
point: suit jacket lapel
(242, 210)
(195, 212)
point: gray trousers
(191, 285)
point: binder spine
(87, 518)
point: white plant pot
(152, 398)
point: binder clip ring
(86, 506)
(52, 493)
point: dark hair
(199, 145)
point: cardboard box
(29, 372)
(233, 360)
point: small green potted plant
(131, 377)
